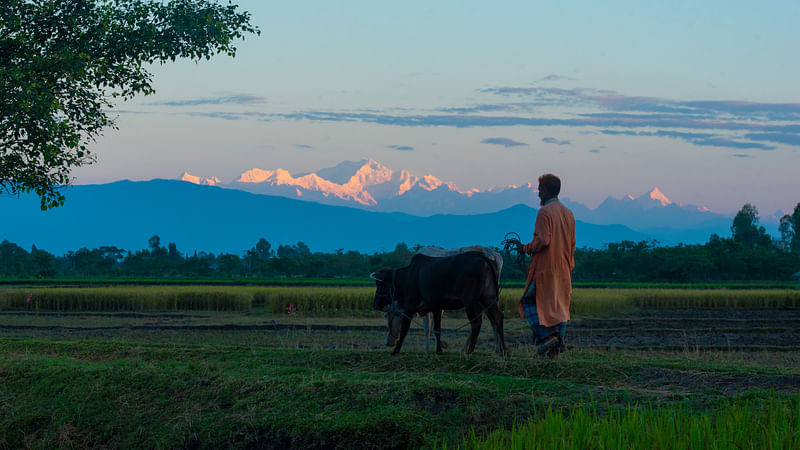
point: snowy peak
(212, 181)
(659, 196)
(365, 182)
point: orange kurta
(552, 261)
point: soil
(711, 328)
(721, 329)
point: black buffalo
(429, 284)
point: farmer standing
(548, 291)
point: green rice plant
(141, 298)
(773, 423)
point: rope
(510, 242)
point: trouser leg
(540, 332)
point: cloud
(733, 124)
(125, 111)
(302, 146)
(615, 101)
(402, 148)
(740, 155)
(230, 115)
(552, 140)
(594, 150)
(723, 142)
(556, 78)
(778, 138)
(505, 142)
(699, 139)
(242, 99)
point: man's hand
(520, 248)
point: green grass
(128, 394)
(770, 424)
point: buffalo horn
(374, 277)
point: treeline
(749, 254)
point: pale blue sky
(615, 97)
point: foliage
(64, 62)
(746, 230)
(739, 424)
(790, 230)
(325, 300)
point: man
(548, 291)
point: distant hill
(213, 219)
(372, 186)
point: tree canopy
(746, 230)
(64, 62)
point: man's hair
(550, 183)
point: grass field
(658, 369)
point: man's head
(549, 187)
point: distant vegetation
(749, 255)
(326, 299)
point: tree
(745, 228)
(795, 224)
(63, 62)
(786, 228)
(263, 249)
(154, 243)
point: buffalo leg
(475, 316)
(403, 332)
(496, 319)
(426, 329)
(437, 330)
(469, 346)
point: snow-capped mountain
(366, 184)
(212, 181)
(372, 186)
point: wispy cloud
(125, 111)
(402, 148)
(778, 138)
(732, 124)
(594, 150)
(242, 99)
(302, 146)
(556, 78)
(552, 140)
(505, 142)
(700, 139)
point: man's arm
(541, 234)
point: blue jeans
(540, 332)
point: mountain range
(199, 217)
(372, 186)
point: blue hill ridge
(212, 219)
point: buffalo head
(384, 289)
(385, 301)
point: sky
(699, 99)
